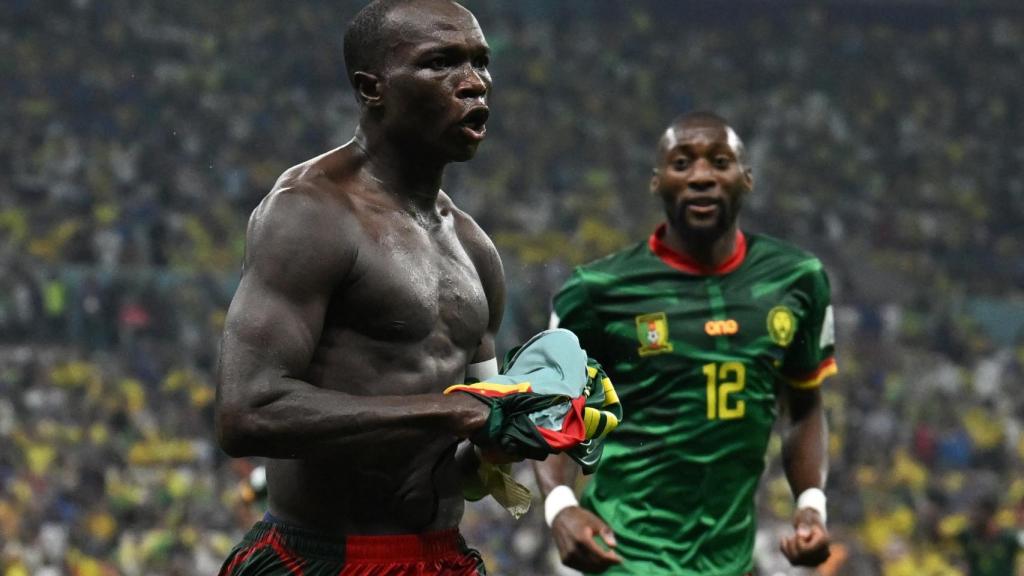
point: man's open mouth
(476, 120)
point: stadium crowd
(137, 136)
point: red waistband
(428, 546)
(403, 547)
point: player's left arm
(483, 363)
(805, 460)
(809, 362)
(485, 258)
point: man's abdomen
(384, 489)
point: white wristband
(814, 499)
(482, 370)
(560, 498)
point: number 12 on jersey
(722, 380)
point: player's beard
(726, 219)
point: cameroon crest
(781, 325)
(652, 331)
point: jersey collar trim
(684, 263)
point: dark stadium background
(136, 136)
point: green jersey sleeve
(810, 357)
(572, 309)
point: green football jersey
(696, 357)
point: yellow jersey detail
(652, 332)
(781, 325)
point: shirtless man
(365, 292)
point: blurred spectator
(137, 136)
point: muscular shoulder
(301, 227)
(475, 241)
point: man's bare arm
(264, 407)
(485, 258)
(805, 460)
(805, 448)
(487, 262)
(573, 528)
(556, 470)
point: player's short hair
(698, 117)
(365, 38)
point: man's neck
(405, 174)
(711, 253)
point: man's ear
(748, 177)
(369, 88)
(655, 181)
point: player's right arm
(297, 253)
(573, 527)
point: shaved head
(371, 33)
(697, 120)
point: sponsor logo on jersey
(781, 325)
(721, 327)
(652, 331)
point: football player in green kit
(704, 330)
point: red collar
(685, 263)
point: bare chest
(410, 285)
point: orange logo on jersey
(721, 327)
(652, 331)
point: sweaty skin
(366, 292)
